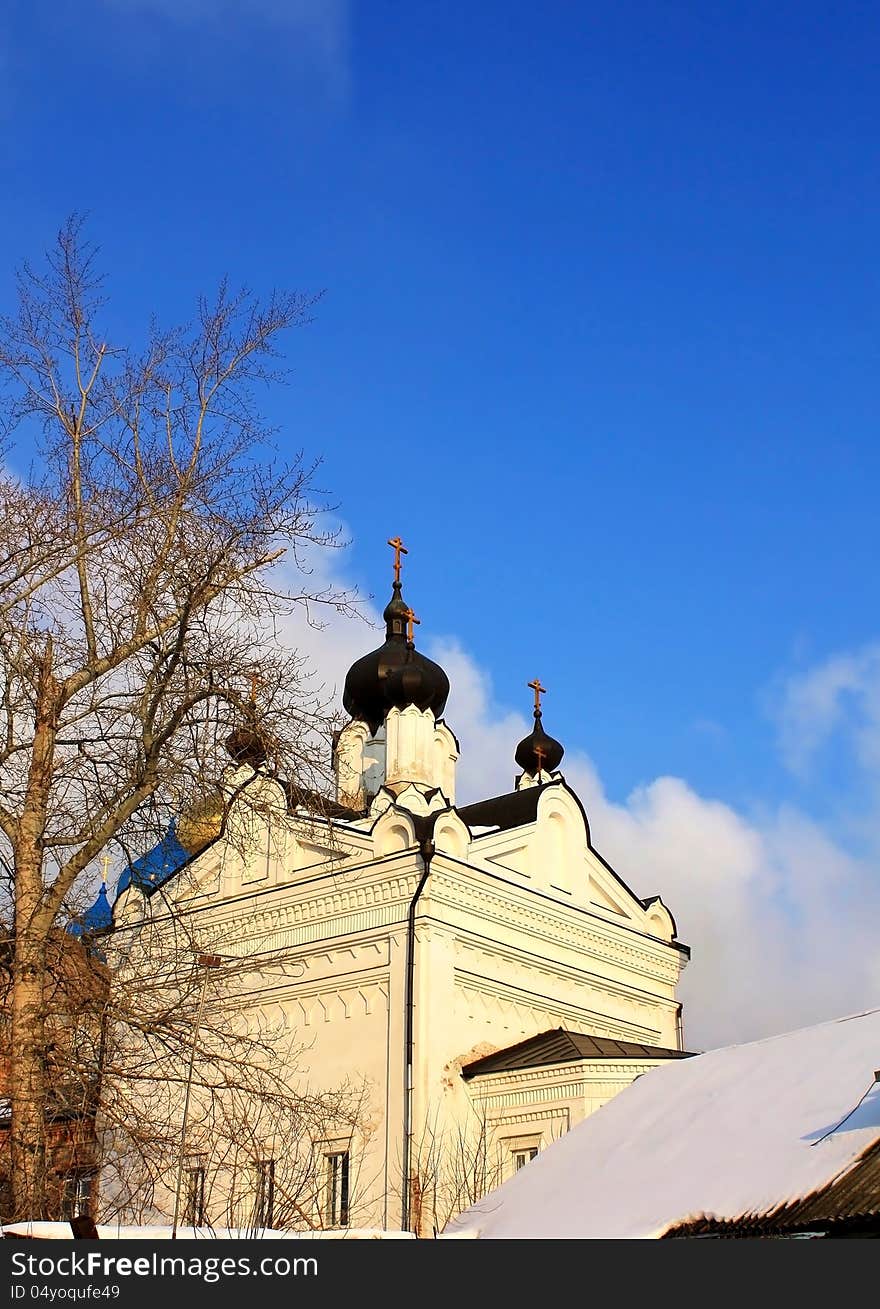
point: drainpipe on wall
(426, 850)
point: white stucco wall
(516, 932)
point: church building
(479, 967)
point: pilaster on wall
(410, 740)
(359, 764)
(445, 759)
(419, 749)
(411, 746)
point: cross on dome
(410, 619)
(399, 549)
(538, 753)
(539, 690)
(397, 674)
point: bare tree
(174, 1034)
(75, 989)
(452, 1167)
(138, 587)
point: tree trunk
(28, 1079)
(33, 922)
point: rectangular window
(517, 1151)
(336, 1188)
(76, 1196)
(264, 1208)
(194, 1210)
(522, 1157)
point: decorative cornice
(293, 914)
(601, 939)
(534, 963)
(561, 1091)
(556, 1010)
(333, 927)
(461, 887)
(586, 1071)
(356, 992)
(550, 1115)
(578, 1085)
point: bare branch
(135, 602)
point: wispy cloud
(320, 29)
(840, 695)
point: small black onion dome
(393, 676)
(246, 746)
(538, 752)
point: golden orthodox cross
(539, 755)
(399, 549)
(105, 862)
(539, 690)
(410, 619)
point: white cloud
(329, 638)
(781, 919)
(842, 693)
(487, 734)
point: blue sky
(599, 339)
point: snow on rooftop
(734, 1132)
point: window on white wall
(517, 1151)
(522, 1157)
(337, 1170)
(194, 1209)
(76, 1197)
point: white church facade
(479, 968)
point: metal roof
(514, 809)
(154, 868)
(560, 1046)
(96, 918)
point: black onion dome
(395, 675)
(418, 681)
(246, 746)
(538, 752)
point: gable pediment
(607, 891)
(514, 859)
(601, 897)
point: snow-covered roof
(730, 1135)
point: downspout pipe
(426, 850)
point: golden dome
(200, 822)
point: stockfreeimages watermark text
(209, 1268)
